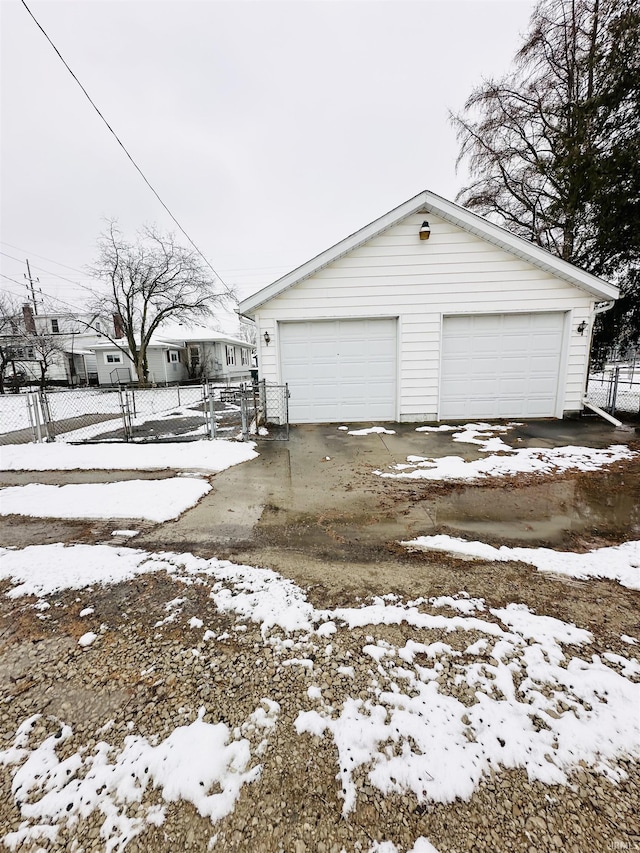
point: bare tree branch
(150, 281)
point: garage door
(340, 370)
(500, 365)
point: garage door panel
(500, 365)
(320, 349)
(456, 346)
(339, 369)
(483, 344)
(543, 363)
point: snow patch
(215, 455)
(202, 763)
(617, 562)
(524, 461)
(154, 500)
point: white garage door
(339, 370)
(500, 365)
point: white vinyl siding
(122, 371)
(340, 370)
(160, 370)
(420, 282)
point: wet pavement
(317, 494)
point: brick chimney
(29, 322)
(118, 326)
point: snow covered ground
(502, 459)
(619, 562)
(468, 691)
(215, 455)
(154, 500)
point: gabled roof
(428, 202)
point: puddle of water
(544, 512)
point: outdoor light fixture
(425, 230)
(581, 328)
(267, 338)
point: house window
(22, 352)
(98, 327)
(173, 356)
(113, 358)
(55, 327)
(244, 356)
(194, 356)
(231, 355)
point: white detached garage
(470, 323)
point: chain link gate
(616, 390)
(265, 411)
(175, 413)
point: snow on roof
(176, 336)
(187, 333)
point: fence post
(614, 389)
(47, 420)
(244, 418)
(178, 388)
(212, 410)
(126, 413)
(263, 396)
(286, 406)
(34, 416)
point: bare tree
(247, 332)
(46, 349)
(149, 281)
(9, 333)
(553, 147)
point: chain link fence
(616, 389)
(175, 413)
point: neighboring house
(63, 339)
(429, 313)
(179, 354)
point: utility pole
(30, 286)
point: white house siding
(162, 371)
(421, 281)
(105, 370)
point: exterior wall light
(267, 338)
(581, 328)
(425, 230)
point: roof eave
(413, 205)
(455, 214)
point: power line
(49, 272)
(44, 258)
(121, 144)
(21, 284)
(244, 271)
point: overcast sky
(271, 130)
